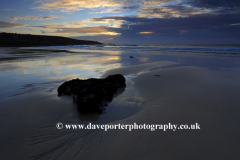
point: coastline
(27, 40)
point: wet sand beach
(162, 88)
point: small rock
(131, 56)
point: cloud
(9, 9)
(10, 24)
(145, 8)
(114, 23)
(183, 31)
(76, 5)
(154, 19)
(108, 39)
(214, 3)
(34, 17)
(43, 32)
(235, 24)
(80, 29)
(119, 20)
(144, 32)
(87, 30)
(114, 6)
(126, 8)
(206, 27)
(56, 26)
(75, 28)
(177, 17)
(172, 11)
(100, 20)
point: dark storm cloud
(215, 3)
(194, 28)
(194, 22)
(172, 11)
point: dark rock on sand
(131, 56)
(93, 94)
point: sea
(222, 49)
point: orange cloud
(75, 5)
(113, 23)
(144, 32)
(108, 39)
(90, 31)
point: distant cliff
(27, 40)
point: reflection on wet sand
(52, 66)
(89, 117)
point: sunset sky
(126, 21)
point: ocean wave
(194, 49)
